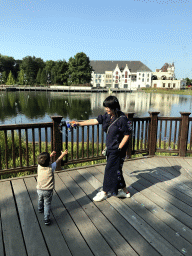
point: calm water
(33, 107)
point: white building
(165, 78)
(129, 75)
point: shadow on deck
(156, 220)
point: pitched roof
(100, 66)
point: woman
(118, 129)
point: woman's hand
(74, 123)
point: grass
(167, 91)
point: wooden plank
(34, 240)
(162, 199)
(139, 224)
(161, 227)
(177, 183)
(52, 234)
(176, 225)
(139, 244)
(111, 235)
(1, 240)
(67, 227)
(12, 235)
(93, 238)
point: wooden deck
(156, 220)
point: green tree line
(34, 71)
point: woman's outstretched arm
(87, 122)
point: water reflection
(39, 106)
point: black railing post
(57, 138)
(184, 133)
(153, 132)
(130, 142)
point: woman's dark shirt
(117, 130)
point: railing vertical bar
(102, 139)
(87, 141)
(97, 139)
(39, 140)
(179, 135)
(82, 141)
(148, 132)
(72, 144)
(20, 149)
(142, 127)
(138, 135)
(160, 132)
(93, 133)
(13, 148)
(77, 155)
(145, 143)
(170, 132)
(0, 158)
(33, 145)
(66, 141)
(51, 139)
(27, 149)
(46, 139)
(134, 129)
(165, 135)
(6, 149)
(175, 135)
(190, 137)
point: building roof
(100, 66)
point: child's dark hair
(112, 103)
(43, 159)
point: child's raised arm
(62, 155)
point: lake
(35, 107)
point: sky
(151, 31)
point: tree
(79, 68)
(59, 72)
(10, 79)
(21, 77)
(31, 65)
(43, 79)
(188, 81)
(38, 78)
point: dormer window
(116, 72)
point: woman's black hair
(112, 103)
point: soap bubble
(184, 250)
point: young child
(45, 182)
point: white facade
(122, 79)
(125, 79)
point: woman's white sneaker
(100, 196)
(121, 193)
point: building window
(116, 85)
(99, 80)
(95, 80)
(125, 80)
(116, 81)
(169, 85)
(106, 81)
(116, 77)
(139, 74)
(163, 84)
(173, 85)
(125, 86)
(148, 80)
(116, 72)
(142, 79)
(122, 76)
(147, 75)
(143, 74)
